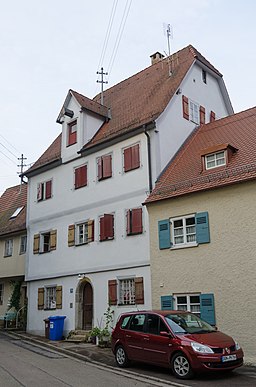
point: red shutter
(139, 291)
(112, 292)
(185, 107)
(48, 189)
(107, 166)
(81, 176)
(127, 159)
(135, 150)
(212, 116)
(137, 221)
(72, 133)
(107, 227)
(202, 115)
(99, 161)
(128, 222)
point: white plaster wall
(35, 323)
(225, 266)
(172, 128)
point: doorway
(87, 306)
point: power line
(9, 143)
(8, 157)
(8, 150)
(119, 34)
(110, 24)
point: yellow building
(202, 228)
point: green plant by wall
(15, 297)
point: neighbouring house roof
(185, 172)
(12, 199)
(134, 102)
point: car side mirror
(166, 334)
(216, 328)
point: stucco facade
(224, 267)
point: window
(72, 132)
(155, 325)
(16, 212)
(81, 176)
(107, 227)
(8, 248)
(81, 233)
(131, 158)
(184, 231)
(215, 160)
(1, 294)
(44, 190)
(104, 166)
(194, 112)
(126, 291)
(191, 303)
(200, 304)
(23, 244)
(137, 322)
(45, 242)
(134, 221)
(204, 76)
(49, 297)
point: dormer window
(215, 160)
(72, 133)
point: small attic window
(217, 155)
(72, 133)
(204, 75)
(215, 160)
(16, 212)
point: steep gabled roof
(185, 173)
(12, 199)
(134, 102)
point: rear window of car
(125, 322)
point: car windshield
(187, 323)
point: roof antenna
(21, 165)
(101, 81)
(168, 31)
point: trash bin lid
(57, 318)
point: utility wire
(8, 158)
(8, 150)
(119, 34)
(110, 24)
(9, 143)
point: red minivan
(176, 339)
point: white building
(88, 234)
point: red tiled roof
(185, 173)
(13, 198)
(135, 101)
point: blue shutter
(164, 234)
(166, 303)
(207, 309)
(202, 228)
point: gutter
(149, 160)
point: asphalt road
(23, 363)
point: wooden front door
(87, 306)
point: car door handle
(129, 336)
(146, 338)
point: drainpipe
(149, 160)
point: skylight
(16, 212)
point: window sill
(185, 246)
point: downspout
(149, 160)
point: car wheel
(181, 367)
(121, 357)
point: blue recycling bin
(56, 327)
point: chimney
(156, 57)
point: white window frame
(189, 306)
(216, 160)
(8, 248)
(16, 212)
(126, 291)
(42, 242)
(50, 297)
(84, 226)
(40, 186)
(194, 112)
(1, 293)
(185, 234)
(23, 244)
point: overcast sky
(50, 46)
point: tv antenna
(168, 32)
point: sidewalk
(83, 351)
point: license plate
(228, 358)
